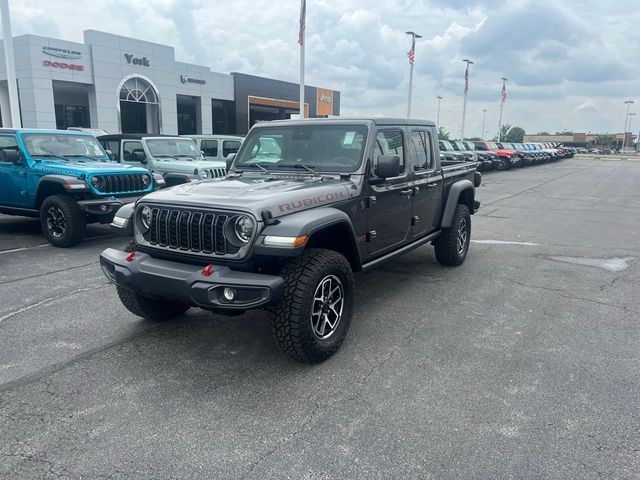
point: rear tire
(453, 244)
(63, 224)
(314, 315)
(155, 309)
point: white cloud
(570, 65)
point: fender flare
(308, 222)
(173, 179)
(67, 183)
(455, 192)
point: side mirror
(139, 156)
(10, 155)
(109, 154)
(388, 166)
(230, 158)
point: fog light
(103, 208)
(229, 293)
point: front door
(13, 176)
(389, 212)
(426, 184)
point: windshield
(333, 148)
(460, 145)
(173, 147)
(493, 146)
(62, 145)
(444, 145)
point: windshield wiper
(256, 164)
(308, 168)
(190, 157)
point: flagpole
(411, 55)
(10, 65)
(301, 38)
(502, 96)
(466, 90)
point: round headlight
(204, 174)
(145, 218)
(146, 180)
(95, 181)
(244, 228)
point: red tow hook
(207, 271)
(130, 256)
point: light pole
(484, 117)
(438, 113)
(466, 91)
(12, 83)
(631, 114)
(503, 98)
(411, 54)
(626, 118)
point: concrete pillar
(36, 102)
(206, 117)
(5, 107)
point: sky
(571, 64)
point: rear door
(13, 176)
(389, 215)
(426, 184)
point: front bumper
(187, 283)
(107, 205)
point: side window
(8, 142)
(230, 146)
(128, 149)
(422, 150)
(388, 142)
(209, 147)
(113, 146)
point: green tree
(543, 133)
(474, 139)
(515, 134)
(605, 139)
(565, 132)
(503, 132)
(443, 134)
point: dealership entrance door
(189, 114)
(71, 103)
(139, 107)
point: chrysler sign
(184, 79)
(62, 53)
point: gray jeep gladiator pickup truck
(305, 204)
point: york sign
(139, 61)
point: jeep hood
(88, 167)
(279, 194)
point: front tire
(155, 309)
(453, 244)
(314, 315)
(63, 224)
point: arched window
(138, 90)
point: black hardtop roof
(382, 121)
(131, 136)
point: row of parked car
(71, 178)
(502, 155)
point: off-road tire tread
(298, 274)
(76, 222)
(446, 247)
(150, 308)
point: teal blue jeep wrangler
(67, 180)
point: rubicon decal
(309, 202)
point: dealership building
(124, 85)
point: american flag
(411, 53)
(303, 14)
(503, 95)
(466, 80)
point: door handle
(407, 191)
(432, 185)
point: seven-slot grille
(217, 172)
(191, 231)
(121, 183)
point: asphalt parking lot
(522, 363)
